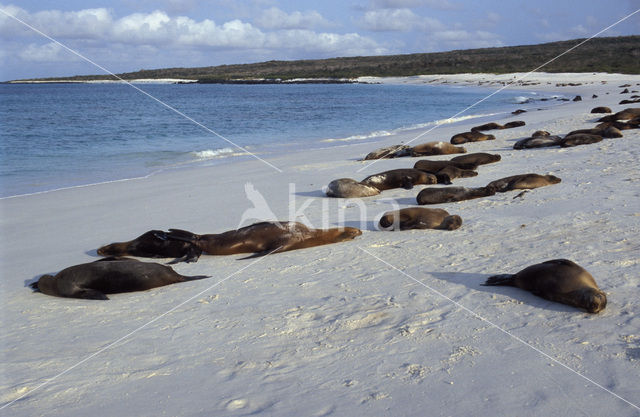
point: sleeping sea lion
(265, 238)
(149, 245)
(394, 151)
(451, 172)
(349, 188)
(606, 131)
(515, 123)
(522, 182)
(436, 148)
(558, 280)
(451, 194)
(487, 126)
(94, 280)
(399, 178)
(477, 158)
(537, 142)
(434, 166)
(465, 137)
(419, 218)
(579, 139)
(601, 109)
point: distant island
(609, 54)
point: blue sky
(128, 35)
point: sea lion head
(593, 300)
(552, 179)
(452, 222)
(387, 220)
(46, 284)
(110, 250)
(347, 233)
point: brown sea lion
(436, 148)
(540, 133)
(451, 172)
(451, 194)
(399, 178)
(477, 158)
(419, 218)
(606, 132)
(601, 109)
(519, 111)
(394, 151)
(349, 188)
(626, 114)
(265, 238)
(487, 126)
(579, 139)
(515, 123)
(632, 101)
(149, 245)
(558, 280)
(434, 166)
(92, 281)
(537, 142)
(465, 137)
(522, 182)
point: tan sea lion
(149, 245)
(350, 188)
(559, 280)
(537, 142)
(522, 182)
(601, 109)
(436, 148)
(92, 281)
(487, 126)
(465, 137)
(419, 218)
(394, 151)
(265, 238)
(579, 139)
(437, 195)
(477, 158)
(399, 178)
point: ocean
(64, 135)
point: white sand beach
(389, 324)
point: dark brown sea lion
(633, 101)
(434, 166)
(558, 280)
(470, 137)
(579, 139)
(436, 148)
(519, 111)
(399, 178)
(522, 182)
(433, 195)
(511, 125)
(451, 172)
(349, 188)
(487, 126)
(537, 142)
(419, 218)
(108, 276)
(626, 114)
(394, 151)
(606, 132)
(601, 109)
(478, 158)
(149, 245)
(265, 238)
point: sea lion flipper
(504, 279)
(191, 256)
(89, 294)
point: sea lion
(419, 218)
(577, 98)
(519, 111)
(540, 133)
(478, 158)
(487, 126)
(436, 148)
(606, 132)
(515, 123)
(579, 139)
(394, 151)
(451, 172)
(601, 109)
(451, 194)
(470, 137)
(434, 166)
(399, 178)
(349, 188)
(558, 280)
(264, 238)
(522, 182)
(626, 114)
(633, 101)
(149, 245)
(92, 281)
(537, 142)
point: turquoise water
(62, 135)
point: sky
(129, 35)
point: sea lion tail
(196, 277)
(503, 279)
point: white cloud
(275, 18)
(397, 20)
(398, 4)
(464, 39)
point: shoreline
(332, 330)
